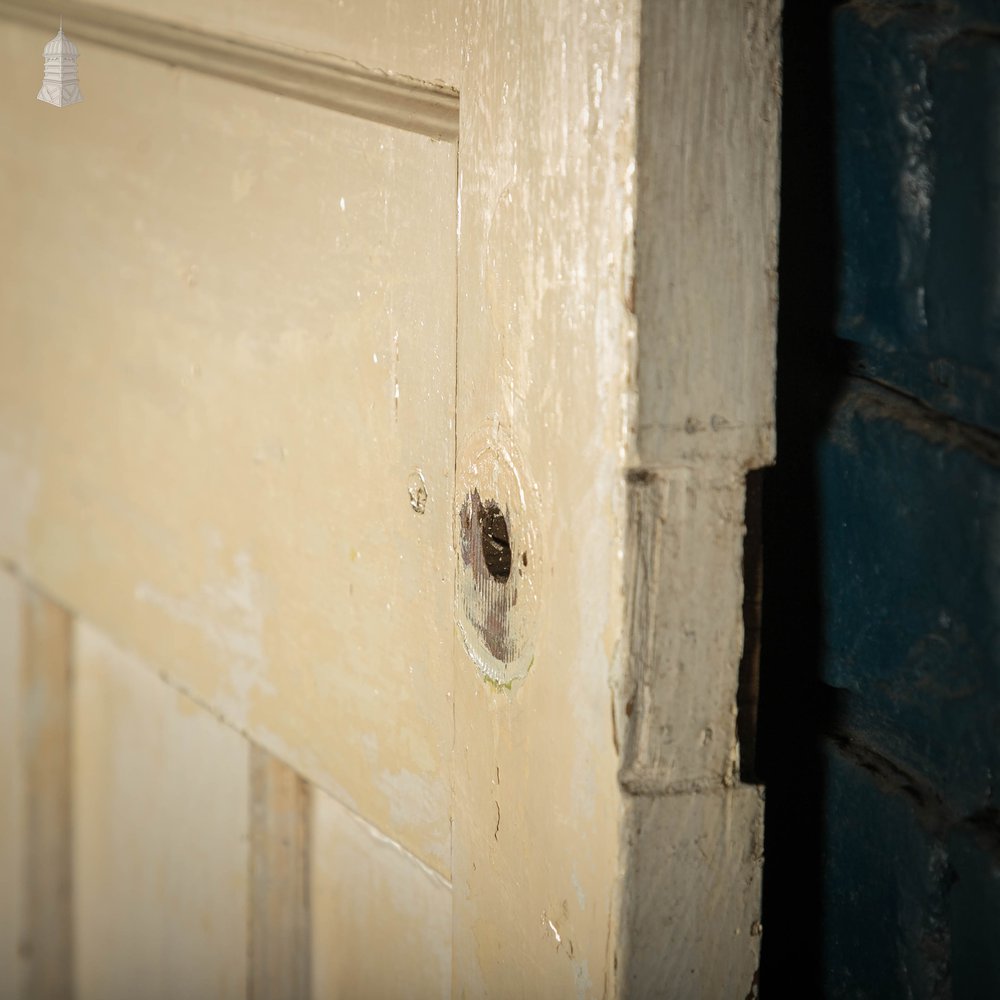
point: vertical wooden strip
(691, 895)
(706, 233)
(707, 152)
(546, 162)
(46, 927)
(11, 795)
(279, 964)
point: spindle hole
(495, 538)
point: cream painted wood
(328, 81)
(617, 750)
(229, 358)
(11, 783)
(547, 165)
(261, 462)
(415, 38)
(161, 853)
(381, 919)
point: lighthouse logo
(61, 86)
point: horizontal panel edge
(337, 84)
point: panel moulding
(326, 81)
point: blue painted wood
(908, 487)
(911, 589)
(918, 152)
(886, 875)
(974, 912)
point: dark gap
(748, 692)
(496, 541)
(812, 367)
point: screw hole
(496, 541)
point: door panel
(160, 835)
(381, 920)
(232, 381)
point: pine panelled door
(378, 385)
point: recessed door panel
(227, 409)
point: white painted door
(343, 647)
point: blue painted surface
(911, 578)
(886, 919)
(908, 491)
(974, 913)
(918, 147)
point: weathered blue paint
(884, 169)
(918, 155)
(908, 490)
(886, 878)
(911, 584)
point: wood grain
(218, 469)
